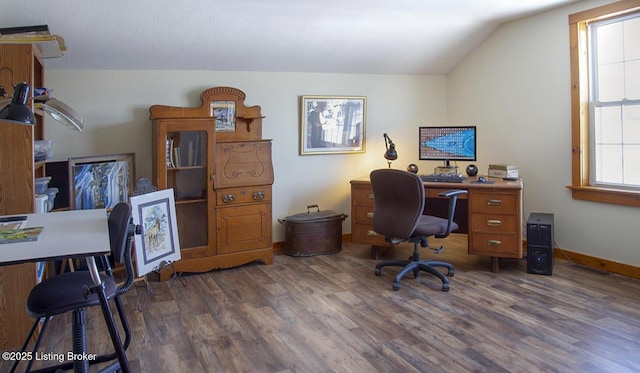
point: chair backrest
(119, 235)
(398, 202)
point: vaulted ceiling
(337, 36)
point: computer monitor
(447, 143)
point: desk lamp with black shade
(390, 154)
(18, 112)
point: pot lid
(314, 217)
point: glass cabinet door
(186, 167)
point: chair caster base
(445, 287)
(396, 285)
(451, 273)
(378, 272)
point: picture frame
(158, 244)
(225, 114)
(332, 124)
(100, 181)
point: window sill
(606, 195)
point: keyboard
(443, 178)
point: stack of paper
(50, 45)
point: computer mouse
(481, 179)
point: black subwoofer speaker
(540, 243)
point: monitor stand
(443, 170)
(447, 169)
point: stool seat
(66, 292)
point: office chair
(399, 201)
(72, 291)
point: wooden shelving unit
(17, 187)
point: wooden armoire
(219, 167)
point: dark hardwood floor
(330, 313)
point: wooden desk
(66, 234)
(490, 214)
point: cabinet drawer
(494, 223)
(235, 196)
(492, 244)
(243, 164)
(493, 203)
(362, 196)
(364, 234)
(362, 215)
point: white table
(68, 234)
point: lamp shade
(17, 110)
(391, 154)
(63, 113)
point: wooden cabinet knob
(258, 196)
(228, 198)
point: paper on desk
(20, 235)
(12, 222)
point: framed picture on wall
(101, 181)
(332, 124)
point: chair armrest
(453, 199)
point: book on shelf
(20, 235)
(169, 153)
(196, 156)
(176, 157)
(190, 154)
(35, 30)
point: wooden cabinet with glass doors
(221, 176)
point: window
(605, 103)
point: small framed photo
(100, 181)
(332, 124)
(225, 114)
(155, 212)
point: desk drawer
(494, 202)
(492, 244)
(362, 196)
(364, 234)
(362, 215)
(493, 223)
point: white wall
(516, 88)
(115, 106)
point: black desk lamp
(390, 154)
(18, 112)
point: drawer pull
(494, 223)
(370, 196)
(494, 242)
(372, 233)
(228, 198)
(369, 215)
(258, 196)
(494, 202)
